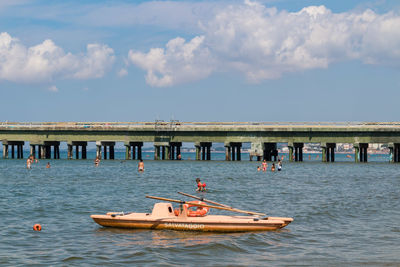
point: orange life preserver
(37, 227)
(199, 212)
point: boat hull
(213, 223)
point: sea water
(344, 213)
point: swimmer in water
(141, 166)
(258, 168)
(97, 162)
(279, 165)
(201, 187)
(264, 165)
(48, 165)
(273, 167)
(28, 163)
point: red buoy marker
(37, 227)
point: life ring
(199, 212)
(37, 227)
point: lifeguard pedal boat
(191, 216)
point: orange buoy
(37, 227)
(199, 212)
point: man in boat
(200, 186)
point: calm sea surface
(344, 213)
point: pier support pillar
(298, 151)
(98, 150)
(175, 150)
(42, 152)
(127, 152)
(5, 151)
(328, 152)
(156, 152)
(203, 150)
(13, 144)
(323, 146)
(198, 150)
(80, 149)
(270, 152)
(236, 151)
(356, 152)
(130, 151)
(167, 153)
(227, 151)
(363, 151)
(290, 147)
(394, 152)
(76, 152)
(163, 148)
(84, 152)
(108, 146)
(32, 151)
(69, 151)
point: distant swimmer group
(273, 167)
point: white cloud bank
(263, 43)
(46, 61)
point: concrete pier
(394, 152)
(203, 150)
(363, 152)
(298, 151)
(80, 149)
(203, 134)
(235, 151)
(328, 152)
(175, 151)
(108, 149)
(270, 152)
(133, 150)
(161, 150)
(14, 144)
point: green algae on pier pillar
(228, 147)
(290, 146)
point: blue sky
(292, 60)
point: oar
(207, 206)
(205, 200)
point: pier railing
(162, 125)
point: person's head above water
(197, 180)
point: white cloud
(46, 61)
(180, 62)
(122, 72)
(53, 88)
(264, 43)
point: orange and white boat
(191, 216)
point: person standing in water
(201, 187)
(141, 166)
(28, 163)
(264, 165)
(48, 165)
(279, 165)
(97, 162)
(273, 167)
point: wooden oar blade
(207, 206)
(205, 200)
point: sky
(271, 60)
